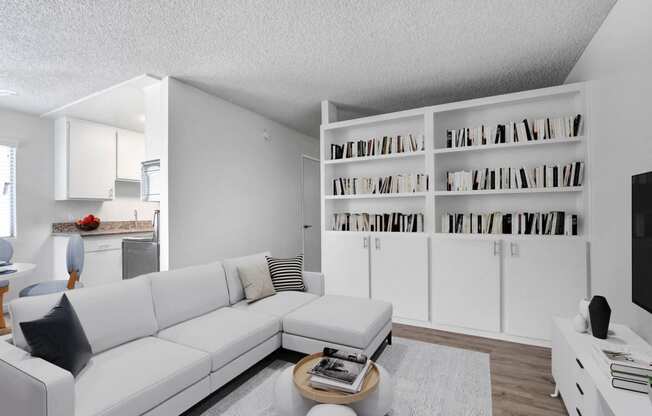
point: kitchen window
(7, 191)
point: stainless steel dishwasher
(141, 255)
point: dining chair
(75, 264)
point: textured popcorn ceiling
(280, 58)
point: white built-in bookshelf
(512, 281)
(436, 159)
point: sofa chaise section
(338, 322)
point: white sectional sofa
(163, 342)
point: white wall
(34, 187)
(230, 192)
(618, 62)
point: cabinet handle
(110, 192)
(578, 412)
(365, 242)
(512, 249)
(579, 389)
(579, 363)
(377, 243)
(496, 248)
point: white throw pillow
(256, 281)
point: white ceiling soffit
(122, 105)
(281, 58)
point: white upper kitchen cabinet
(345, 264)
(84, 160)
(399, 273)
(466, 283)
(542, 279)
(130, 154)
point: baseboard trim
(475, 332)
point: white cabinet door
(466, 283)
(346, 264)
(91, 160)
(130, 154)
(542, 279)
(399, 273)
(101, 267)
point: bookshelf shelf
(493, 237)
(372, 158)
(550, 142)
(334, 232)
(378, 196)
(511, 191)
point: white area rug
(430, 380)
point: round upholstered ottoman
(288, 400)
(331, 410)
(379, 402)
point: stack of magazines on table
(340, 371)
(627, 370)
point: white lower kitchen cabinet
(102, 266)
(542, 279)
(399, 273)
(466, 283)
(345, 264)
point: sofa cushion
(110, 314)
(256, 281)
(132, 378)
(59, 338)
(339, 319)
(225, 334)
(188, 292)
(278, 305)
(236, 291)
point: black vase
(600, 313)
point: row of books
(375, 147)
(340, 371)
(546, 176)
(627, 370)
(412, 182)
(520, 223)
(515, 132)
(391, 222)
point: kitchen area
(107, 150)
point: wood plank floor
(521, 381)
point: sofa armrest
(314, 283)
(32, 386)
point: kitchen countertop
(105, 228)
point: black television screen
(642, 240)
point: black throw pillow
(59, 338)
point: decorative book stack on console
(583, 377)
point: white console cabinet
(384, 266)
(583, 383)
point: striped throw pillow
(287, 274)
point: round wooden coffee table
(301, 378)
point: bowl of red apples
(88, 223)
